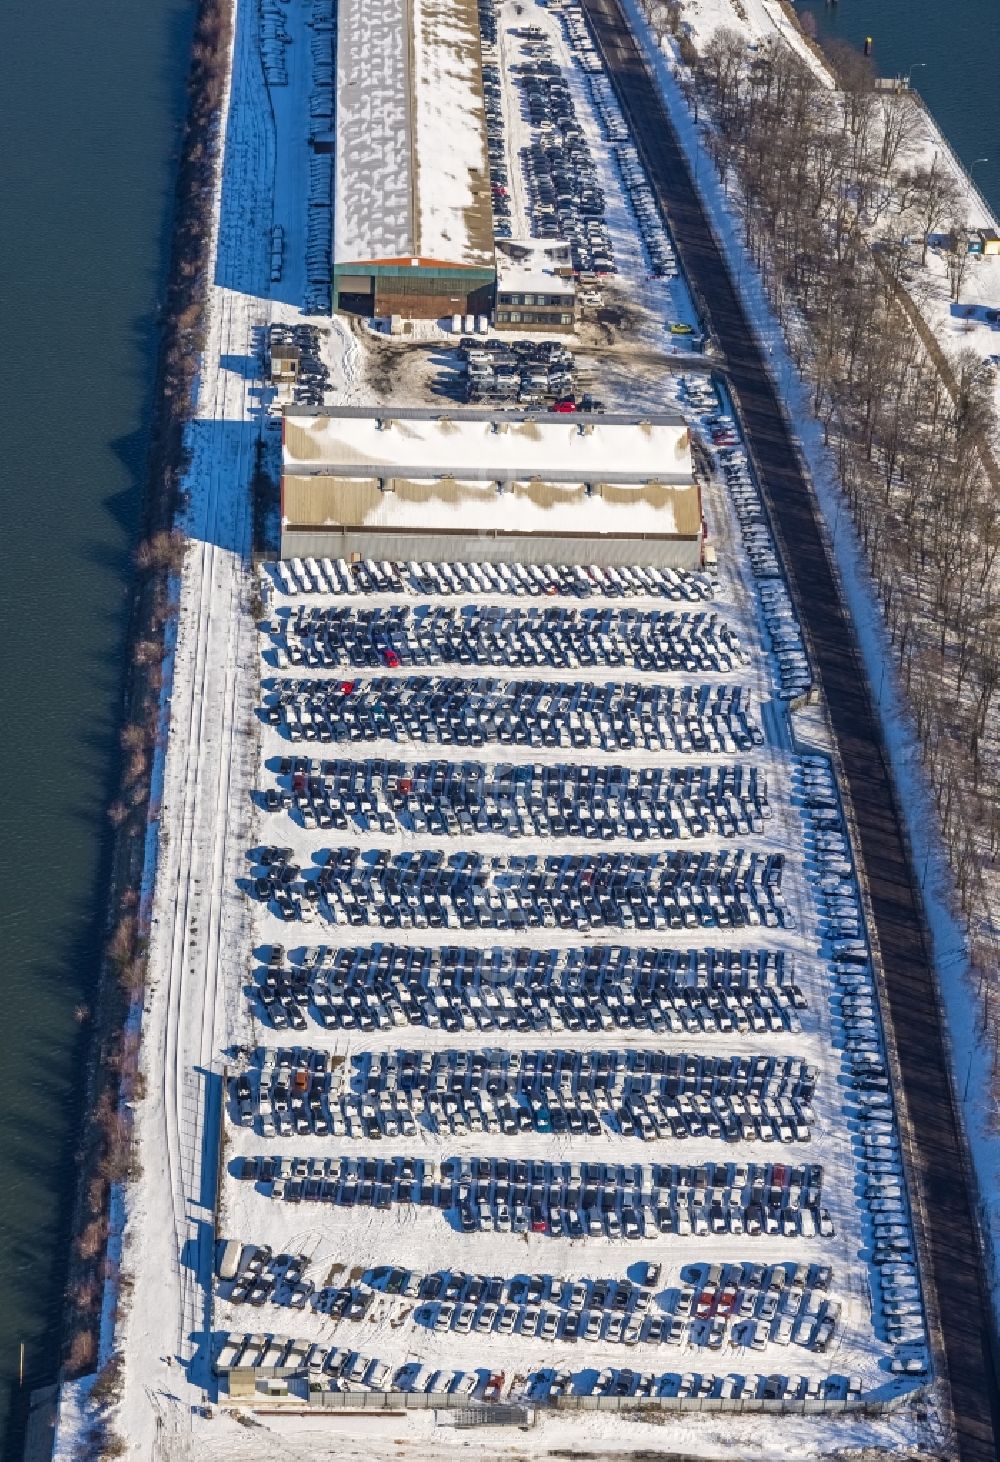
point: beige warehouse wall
(499, 548)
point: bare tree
(931, 196)
(959, 238)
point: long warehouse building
(412, 227)
(477, 486)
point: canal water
(952, 54)
(91, 104)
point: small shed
(285, 361)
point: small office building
(536, 289)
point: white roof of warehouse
(572, 447)
(469, 471)
(454, 506)
(412, 179)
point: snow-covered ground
(956, 324)
(204, 929)
(198, 930)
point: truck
(229, 1254)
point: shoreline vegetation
(106, 1151)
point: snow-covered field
(205, 929)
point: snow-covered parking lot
(443, 1186)
(526, 980)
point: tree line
(840, 207)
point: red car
(390, 659)
(568, 405)
(727, 1299)
(347, 686)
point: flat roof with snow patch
(433, 505)
(538, 472)
(532, 265)
(412, 177)
(577, 446)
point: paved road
(955, 1260)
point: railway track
(952, 1240)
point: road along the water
(956, 1261)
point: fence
(242, 1381)
(941, 142)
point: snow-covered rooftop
(433, 506)
(476, 444)
(412, 179)
(456, 471)
(532, 264)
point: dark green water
(952, 52)
(91, 102)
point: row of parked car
(535, 1075)
(649, 221)
(812, 1326)
(334, 1368)
(732, 889)
(586, 988)
(319, 213)
(272, 38)
(857, 1025)
(440, 1182)
(341, 1369)
(556, 636)
(530, 373)
(749, 1305)
(780, 620)
(453, 799)
(256, 1275)
(637, 1094)
(495, 131)
(581, 42)
(580, 581)
(652, 230)
(566, 200)
(609, 1200)
(858, 1031)
(451, 710)
(647, 1118)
